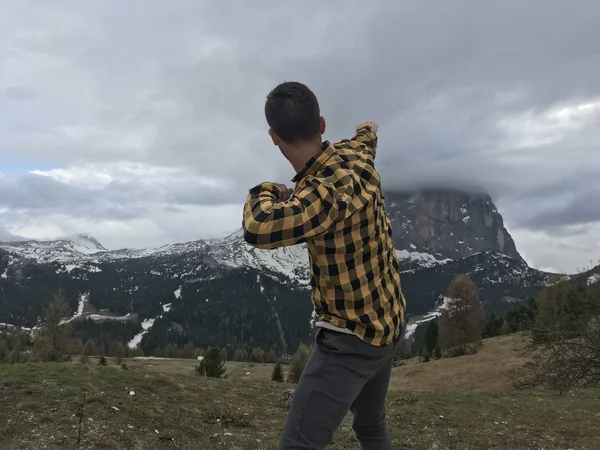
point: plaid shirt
(337, 209)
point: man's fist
(286, 192)
(368, 123)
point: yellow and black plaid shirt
(337, 208)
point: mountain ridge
(224, 292)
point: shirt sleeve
(270, 223)
(365, 139)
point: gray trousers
(342, 374)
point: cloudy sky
(141, 122)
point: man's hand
(286, 192)
(368, 123)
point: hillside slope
(178, 411)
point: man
(337, 209)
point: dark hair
(292, 111)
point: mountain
(66, 249)
(224, 292)
(448, 224)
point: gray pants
(343, 374)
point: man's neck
(300, 155)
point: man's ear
(276, 139)
(322, 125)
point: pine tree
(277, 374)
(432, 337)
(493, 326)
(213, 364)
(102, 361)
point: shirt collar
(315, 162)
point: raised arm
(270, 222)
(366, 136)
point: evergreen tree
(102, 361)
(432, 337)
(277, 374)
(213, 364)
(493, 326)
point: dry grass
(172, 409)
(237, 370)
(486, 371)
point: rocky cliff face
(448, 224)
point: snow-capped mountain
(225, 292)
(66, 249)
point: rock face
(448, 224)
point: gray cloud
(6, 236)
(468, 94)
(20, 93)
(117, 200)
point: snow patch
(146, 325)
(423, 259)
(167, 307)
(414, 322)
(593, 279)
(177, 293)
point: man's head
(293, 115)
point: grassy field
(461, 403)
